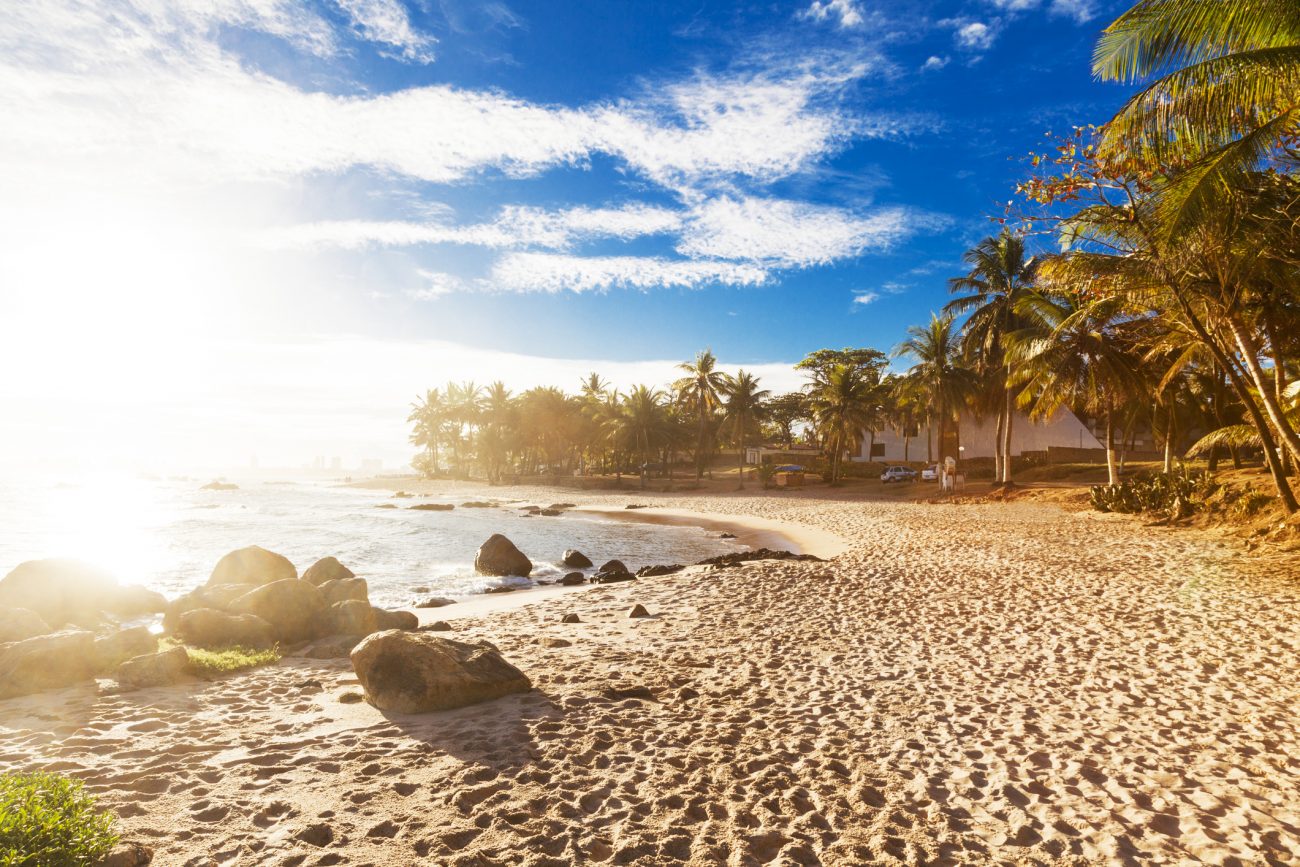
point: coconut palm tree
(644, 421)
(1000, 273)
(701, 388)
(840, 399)
(427, 417)
(743, 408)
(938, 371)
(1222, 93)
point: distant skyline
(261, 226)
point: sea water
(168, 534)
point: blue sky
(473, 190)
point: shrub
(212, 662)
(1174, 494)
(49, 821)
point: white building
(977, 438)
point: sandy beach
(976, 684)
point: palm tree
(999, 275)
(839, 398)
(701, 388)
(427, 416)
(1223, 93)
(1075, 353)
(938, 371)
(645, 421)
(743, 408)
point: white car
(930, 473)
(898, 474)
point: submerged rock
(252, 565)
(498, 556)
(432, 507)
(417, 672)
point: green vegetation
(49, 821)
(1175, 495)
(215, 661)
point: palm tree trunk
(1112, 472)
(998, 472)
(740, 460)
(1246, 344)
(929, 437)
(1006, 453)
(1169, 439)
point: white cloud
(846, 12)
(865, 298)
(786, 233)
(436, 284)
(553, 272)
(1014, 5)
(934, 63)
(974, 36)
(386, 21)
(1082, 11)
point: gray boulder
(17, 624)
(499, 556)
(573, 579)
(295, 609)
(252, 565)
(327, 569)
(576, 560)
(155, 669)
(111, 650)
(46, 662)
(207, 627)
(418, 672)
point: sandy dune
(963, 685)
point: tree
(701, 388)
(938, 372)
(645, 422)
(870, 362)
(1000, 273)
(785, 411)
(426, 417)
(840, 399)
(743, 408)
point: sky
(237, 228)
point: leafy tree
(938, 372)
(840, 398)
(701, 388)
(743, 408)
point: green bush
(1174, 494)
(49, 821)
(206, 662)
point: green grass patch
(49, 821)
(216, 661)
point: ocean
(168, 534)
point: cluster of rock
(735, 559)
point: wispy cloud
(865, 298)
(1082, 11)
(934, 63)
(386, 22)
(554, 272)
(846, 13)
(974, 35)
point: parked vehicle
(930, 473)
(898, 474)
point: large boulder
(60, 591)
(207, 627)
(344, 588)
(327, 569)
(111, 650)
(252, 565)
(218, 596)
(395, 619)
(418, 672)
(155, 669)
(294, 608)
(17, 624)
(352, 617)
(576, 560)
(573, 579)
(499, 556)
(46, 662)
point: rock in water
(576, 560)
(499, 556)
(638, 611)
(418, 672)
(395, 619)
(46, 662)
(252, 565)
(433, 507)
(294, 608)
(207, 627)
(17, 624)
(155, 669)
(327, 569)
(613, 566)
(435, 602)
(111, 650)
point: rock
(499, 556)
(295, 609)
(635, 506)
(573, 579)
(726, 535)
(570, 618)
(477, 504)
(327, 569)
(548, 641)
(655, 571)
(353, 617)
(687, 693)
(155, 669)
(318, 835)
(330, 647)
(219, 486)
(612, 577)
(61, 590)
(386, 506)
(395, 619)
(501, 590)
(437, 626)
(402, 495)
(737, 557)
(432, 507)
(46, 662)
(613, 566)
(17, 624)
(563, 506)
(420, 589)
(130, 854)
(417, 672)
(550, 513)
(576, 560)
(216, 597)
(208, 627)
(342, 589)
(252, 565)
(638, 611)
(435, 602)
(111, 650)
